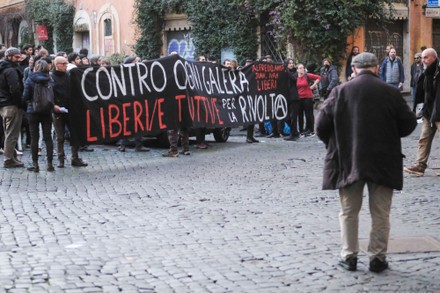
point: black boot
(34, 167)
(50, 167)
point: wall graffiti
(182, 43)
(377, 38)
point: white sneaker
(19, 153)
(1, 151)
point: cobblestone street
(237, 217)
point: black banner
(109, 103)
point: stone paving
(234, 218)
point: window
(107, 27)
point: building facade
(13, 25)
(104, 27)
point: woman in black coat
(40, 75)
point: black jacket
(428, 92)
(293, 89)
(11, 84)
(361, 124)
(61, 88)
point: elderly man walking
(11, 90)
(428, 91)
(361, 124)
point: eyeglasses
(63, 63)
(16, 56)
(417, 57)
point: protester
(27, 51)
(84, 60)
(391, 71)
(416, 71)
(250, 129)
(364, 148)
(74, 61)
(11, 90)
(104, 61)
(276, 124)
(201, 132)
(61, 119)
(173, 138)
(329, 78)
(138, 136)
(429, 89)
(40, 76)
(293, 101)
(348, 70)
(306, 98)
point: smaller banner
(42, 33)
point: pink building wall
(96, 18)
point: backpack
(43, 99)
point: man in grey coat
(361, 124)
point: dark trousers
(261, 128)
(46, 124)
(292, 117)
(200, 135)
(306, 109)
(250, 131)
(60, 121)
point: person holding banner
(201, 132)
(293, 102)
(138, 136)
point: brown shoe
(13, 163)
(78, 163)
(171, 155)
(415, 170)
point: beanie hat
(12, 51)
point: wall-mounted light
(95, 17)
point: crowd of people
(31, 66)
(363, 145)
(22, 72)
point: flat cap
(12, 51)
(364, 60)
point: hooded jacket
(28, 94)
